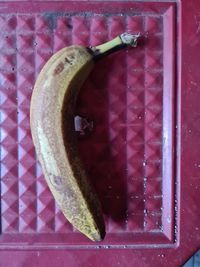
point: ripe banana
(52, 127)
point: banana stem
(117, 43)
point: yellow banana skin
(52, 127)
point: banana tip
(97, 237)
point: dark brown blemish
(57, 182)
(67, 60)
(59, 68)
(72, 56)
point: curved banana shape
(53, 133)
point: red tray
(143, 154)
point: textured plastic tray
(130, 97)
(125, 96)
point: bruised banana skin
(52, 127)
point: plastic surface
(142, 155)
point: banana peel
(53, 133)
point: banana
(52, 127)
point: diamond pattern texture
(124, 97)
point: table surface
(193, 261)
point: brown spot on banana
(52, 127)
(57, 182)
(59, 68)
